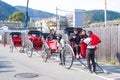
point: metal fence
(109, 48)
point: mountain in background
(92, 15)
(35, 13)
(98, 15)
(6, 10)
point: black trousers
(77, 48)
(91, 57)
(60, 56)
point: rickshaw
(68, 56)
(34, 42)
(51, 49)
(16, 41)
(37, 42)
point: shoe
(90, 71)
(60, 64)
(94, 71)
(80, 57)
(77, 57)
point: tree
(50, 23)
(118, 19)
(17, 16)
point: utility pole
(105, 13)
(56, 19)
(26, 16)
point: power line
(64, 10)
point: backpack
(95, 40)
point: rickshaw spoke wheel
(68, 56)
(29, 51)
(11, 46)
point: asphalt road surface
(17, 66)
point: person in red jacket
(91, 42)
(83, 46)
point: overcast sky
(70, 5)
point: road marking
(105, 78)
(102, 77)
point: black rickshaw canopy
(15, 33)
(71, 30)
(34, 32)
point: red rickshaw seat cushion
(52, 44)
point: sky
(69, 5)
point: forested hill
(6, 10)
(35, 13)
(98, 15)
(92, 15)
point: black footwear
(94, 71)
(60, 64)
(90, 71)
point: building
(62, 22)
(76, 19)
(11, 24)
(70, 19)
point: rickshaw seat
(37, 43)
(52, 44)
(16, 39)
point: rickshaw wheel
(45, 54)
(68, 56)
(45, 57)
(11, 46)
(29, 49)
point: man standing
(91, 42)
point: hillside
(92, 15)
(98, 15)
(35, 13)
(6, 10)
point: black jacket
(51, 36)
(75, 40)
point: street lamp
(105, 12)
(26, 16)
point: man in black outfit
(76, 39)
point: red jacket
(95, 40)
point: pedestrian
(91, 42)
(61, 45)
(83, 46)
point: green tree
(118, 19)
(17, 16)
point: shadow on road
(111, 69)
(5, 65)
(106, 67)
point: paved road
(15, 63)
